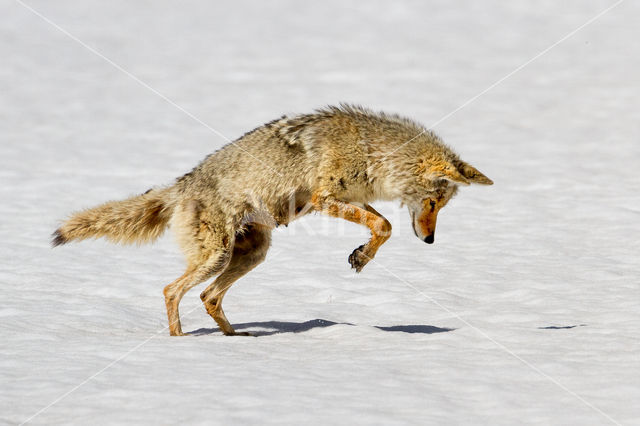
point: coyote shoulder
(336, 161)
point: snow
(524, 311)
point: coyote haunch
(336, 161)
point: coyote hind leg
(206, 243)
(193, 276)
(249, 251)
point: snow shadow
(424, 329)
(561, 327)
(268, 328)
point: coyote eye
(432, 203)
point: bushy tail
(139, 219)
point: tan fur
(140, 219)
(335, 161)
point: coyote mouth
(429, 239)
(413, 224)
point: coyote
(335, 161)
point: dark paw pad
(358, 258)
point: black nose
(429, 239)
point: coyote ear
(473, 174)
(449, 172)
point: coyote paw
(358, 258)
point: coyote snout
(424, 219)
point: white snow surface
(524, 311)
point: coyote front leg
(379, 226)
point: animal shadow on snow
(268, 328)
(561, 327)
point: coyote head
(436, 181)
